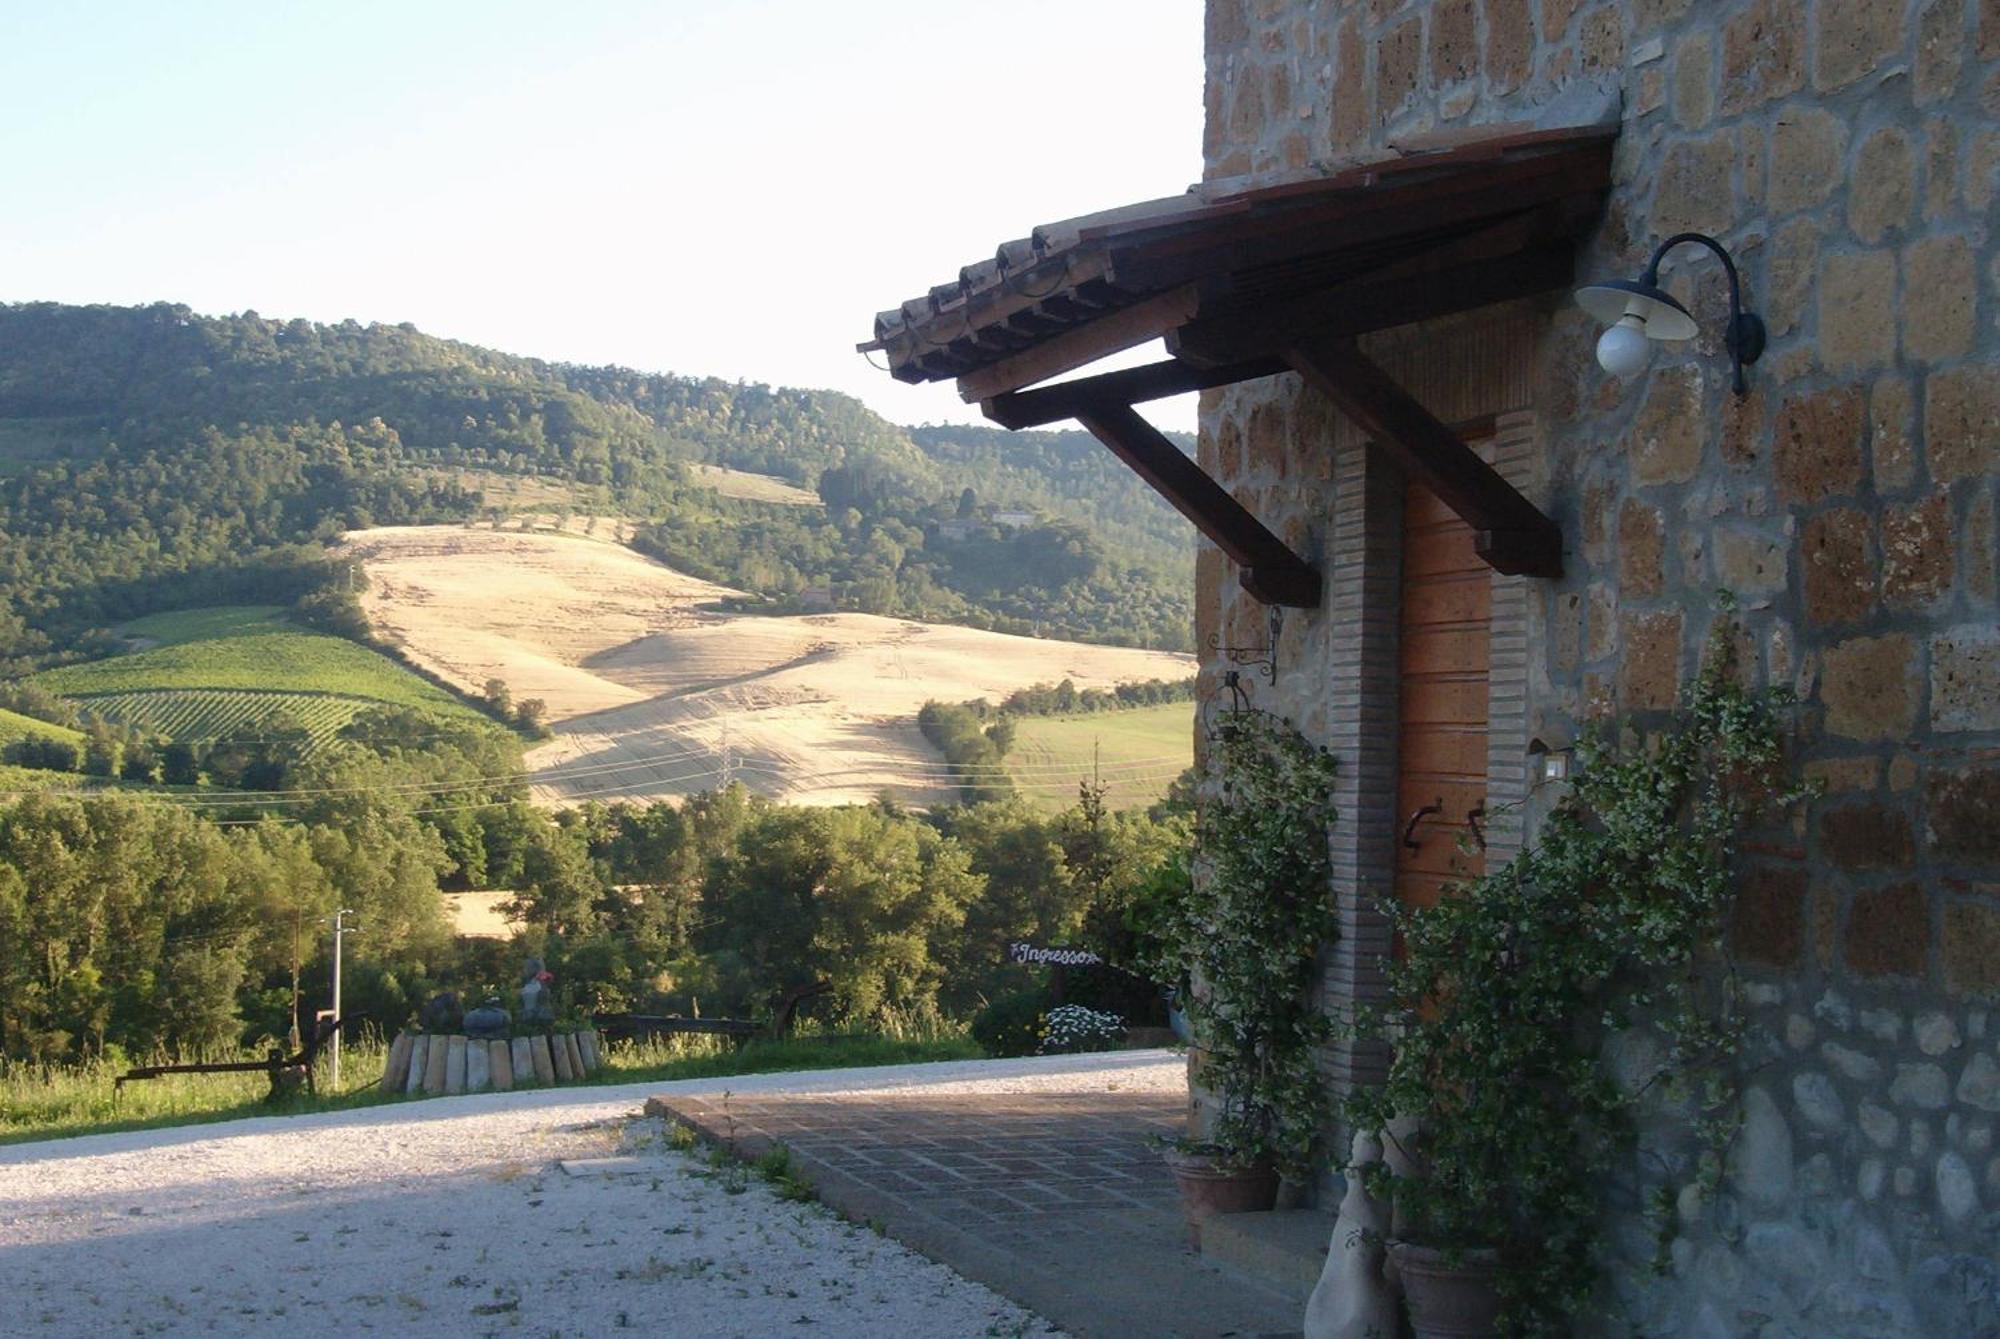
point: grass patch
(1139, 751)
(15, 726)
(59, 1102)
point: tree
(178, 764)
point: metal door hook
(1410, 828)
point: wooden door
(1447, 619)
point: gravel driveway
(527, 1213)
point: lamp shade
(1655, 310)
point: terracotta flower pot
(1448, 1301)
(1209, 1188)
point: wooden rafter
(1510, 532)
(1084, 344)
(1269, 570)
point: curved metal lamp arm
(1744, 337)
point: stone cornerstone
(1848, 154)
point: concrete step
(1285, 1248)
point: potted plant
(1509, 987)
(1240, 937)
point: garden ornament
(1352, 1299)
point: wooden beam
(1355, 309)
(1511, 533)
(1066, 399)
(1085, 344)
(1270, 571)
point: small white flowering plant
(1069, 1028)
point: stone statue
(489, 1021)
(442, 1015)
(1353, 1300)
(538, 1004)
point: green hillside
(155, 459)
(15, 726)
(1136, 752)
(211, 673)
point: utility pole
(340, 932)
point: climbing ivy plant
(1246, 934)
(1510, 988)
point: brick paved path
(1053, 1199)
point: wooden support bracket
(1511, 533)
(1067, 399)
(1269, 570)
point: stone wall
(1848, 153)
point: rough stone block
(559, 1055)
(1818, 1101)
(1348, 126)
(396, 1070)
(1601, 39)
(1670, 430)
(521, 1059)
(1869, 835)
(1641, 540)
(1960, 808)
(1760, 1162)
(435, 1064)
(1763, 54)
(1694, 81)
(1767, 924)
(1837, 567)
(478, 1066)
(1454, 42)
(1807, 146)
(1844, 776)
(1891, 442)
(1940, 284)
(1962, 422)
(1857, 311)
(1855, 36)
(1399, 59)
(1940, 168)
(1817, 444)
(500, 1064)
(1979, 1084)
(1917, 552)
(1794, 275)
(1888, 933)
(1696, 190)
(1970, 948)
(1649, 672)
(1510, 44)
(420, 1059)
(454, 1065)
(1940, 50)
(1884, 190)
(1749, 562)
(544, 1064)
(1871, 687)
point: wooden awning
(1245, 283)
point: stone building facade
(1848, 154)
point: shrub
(1070, 1028)
(1011, 1024)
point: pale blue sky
(726, 188)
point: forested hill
(153, 458)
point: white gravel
(457, 1216)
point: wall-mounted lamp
(1640, 311)
(1554, 763)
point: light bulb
(1624, 350)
